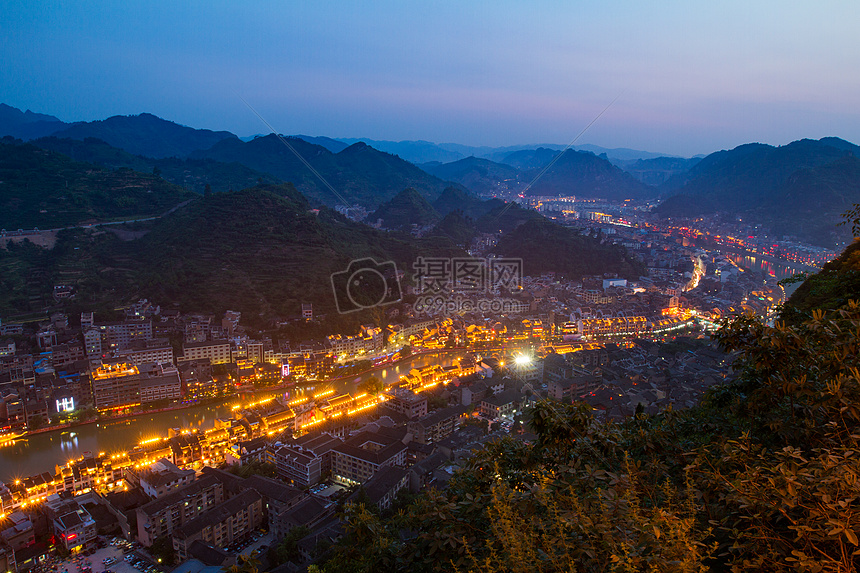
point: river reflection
(774, 270)
(42, 452)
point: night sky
(693, 77)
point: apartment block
(361, 456)
(222, 525)
(436, 426)
(166, 514)
(115, 385)
(305, 460)
(212, 351)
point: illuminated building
(73, 525)
(406, 402)
(163, 477)
(504, 404)
(213, 351)
(157, 350)
(305, 460)
(437, 426)
(361, 456)
(159, 382)
(618, 326)
(121, 334)
(115, 385)
(169, 512)
(17, 531)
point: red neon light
(72, 536)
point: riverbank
(58, 444)
(100, 419)
(225, 399)
(799, 267)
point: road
(37, 231)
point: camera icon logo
(365, 284)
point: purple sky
(695, 77)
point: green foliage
(831, 288)
(162, 550)
(288, 548)
(48, 190)
(372, 386)
(245, 564)
(260, 251)
(852, 217)
(458, 227)
(405, 209)
(260, 468)
(762, 475)
(545, 246)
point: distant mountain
(619, 153)
(412, 151)
(584, 174)
(146, 135)
(754, 168)
(615, 155)
(27, 125)
(405, 209)
(801, 187)
(427, 152)
(545, 246)
(192, 174)
(813, 200)
(48, 190)
(359, 173)
(478, 175)
(658, 170)
(333, 145)
(526, 159)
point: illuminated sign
(66, 404)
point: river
(775, 270)
(42, 452)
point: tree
(372, 385)
(245, 564)
(288, 548)
(760, 476)
(207, 191)
(162, 550)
